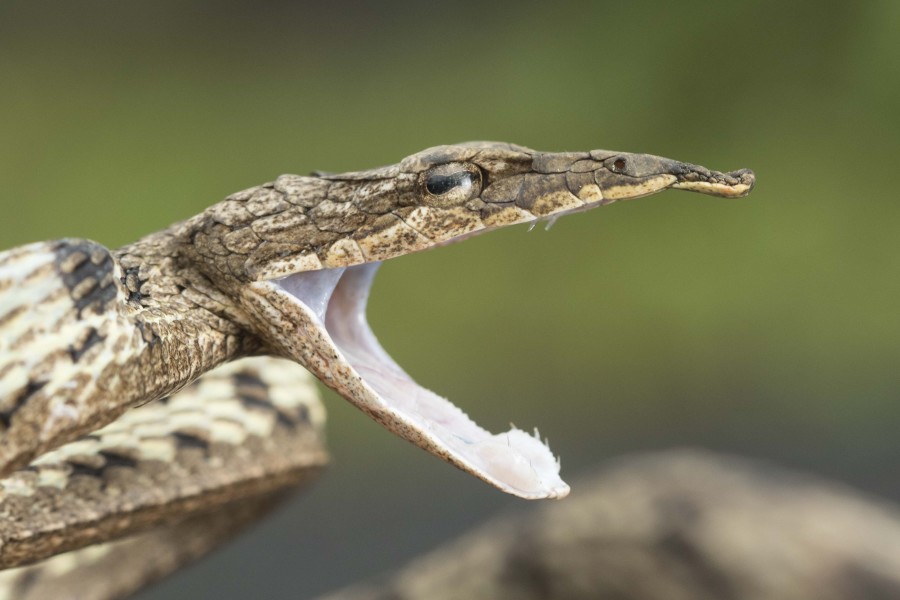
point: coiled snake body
(105, 428)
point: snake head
(454, 191)
(304, 251)
(496, 178)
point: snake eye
(438, 185)
(452, 183)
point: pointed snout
(694, 178)
(623, 176)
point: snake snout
(746, 176)
(733, 184)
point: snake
(175, 376)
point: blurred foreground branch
(671, 526)
(120, 568)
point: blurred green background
(767, 327)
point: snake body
(105, 425)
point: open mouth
(335, 299)
(318, 316)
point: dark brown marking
(188, 440)
(253, 393)
(14, 313)
(96, 466)
(117, 459)
(20, 400)
(286, 420)
(93, 338)
(80, 468)
(86, 269)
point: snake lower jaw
(318, 319)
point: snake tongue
(332, 304)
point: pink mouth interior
(515, 461)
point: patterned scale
(159, 464)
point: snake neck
(187, 324)
(240, 239)
(182, 287)
(90, 333)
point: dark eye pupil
(438, 185)
(619, 165)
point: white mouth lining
(515, 462)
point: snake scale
(107, 427)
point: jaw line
(361, 371)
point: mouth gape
(515, 461)
(318, 317)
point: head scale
(433, 197)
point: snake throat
(515, 461)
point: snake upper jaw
(626, 176)
(317, 318)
